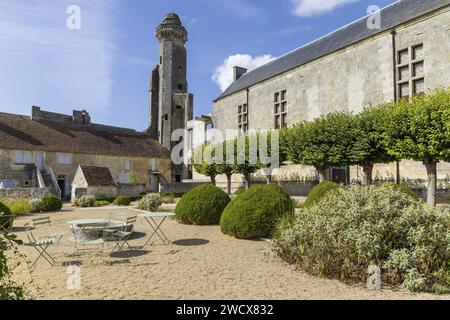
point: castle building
(353, 67)
(171, 104)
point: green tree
(326, 142)
(227, 167)
(246, 162)
(204, 163)
(420, 130)
(368, 148)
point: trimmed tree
(420, 130)
(368, 147)
(244, 164)
(205, 165)
(326, 142)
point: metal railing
(52, 175)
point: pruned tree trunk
(368, 172)
(269, 179)
(321, 172)
(247, 177)
(213, 180)
(229, 176)
(431, 166)
(398, 178)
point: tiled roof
(391, 16)
(98, 176)
(22, 133)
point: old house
(45, 151)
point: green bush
(319, 191)
(101, 203)
(17, 206)
(36, 206)
(203, 205)
(86, 201)
(4, 211)
(107, 199)
(403, 188)
(150, 202)
(352, 228)
(122, 201)
(51, 203)
(172, 194)
(256, 212)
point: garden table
(151, 218)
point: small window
(178, 178)
(24, 157)
(403, 56)
(64, 159)
(418, 70)
(281, 109)
(243, 118)
(417, 52)
(419, 86)
(128, 165)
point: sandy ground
(201, 263)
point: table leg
(157, 230)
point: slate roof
(22, 133)
(98, 176)
(393, 15)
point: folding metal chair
(41, 245)
(122, 236)
(91, 234)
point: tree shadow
(191, 242)
(133, 253)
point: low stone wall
(130, 189)
(26, 193)
(179, 187)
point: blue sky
(105, 66)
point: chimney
(238, 72)
(35, 113)
(81, 117)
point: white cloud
(307, 8)
(56, 67)
(223, 75)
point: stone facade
(359, 75)
(26, 193)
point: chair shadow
(132, 253)
(19, 229)
(190, 242)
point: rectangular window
(281, 109)
(128, 165)
(411, 72)
(64, 159)
(243, 118)
(24, 157)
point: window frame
(280, 110)
(242, 118)
(413, 78)
(64, 156)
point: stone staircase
(47, 180)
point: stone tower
(171, 104)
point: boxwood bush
(318, 192)
(51, 203)
(122, 201)
(256, 212)
(36, 205)
(203, 205)
(353, 227)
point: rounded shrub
(5, 211)
(203, 205)
(36, 206)
(256, 212)
(150, 202)
(122, 201)
(354, 227)
(51, 203)
(319, 191)
(87, 201)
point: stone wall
(26, 193)
(131, 189)
(179, 187)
